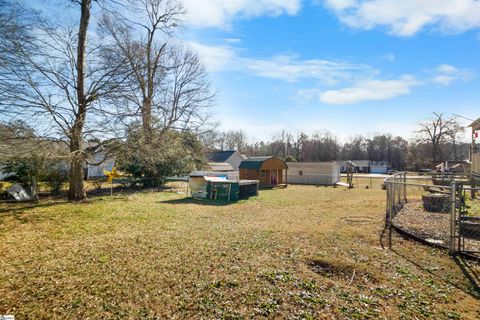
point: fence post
(390, 213)
(404, 187)
(453, 198)
(398, 191)
(387, 211)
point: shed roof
(323, 164)
(220, 156)
(253, 162)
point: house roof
(220, 166)
(379, 164)
(253, 162)
(475, 125)
(357, 163)
(220, 156)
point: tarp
(19, 193)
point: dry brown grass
(300, 252)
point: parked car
(423, 172)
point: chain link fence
(441, 215)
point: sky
(345, 66)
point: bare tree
(61, 78)
(168, 86)
(436, 131)
(234, 140)
(299, 145)
(454, 135)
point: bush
(55, 177)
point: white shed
(317, 173)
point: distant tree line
(438, 139)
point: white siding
(234, 160)
(97, 171)
(317, 173)
(476, 163)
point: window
(263, 173)
(300, 172)
(245, 171)
(273, 173)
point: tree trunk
(147, 120)
(76, 191)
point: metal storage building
(316, 173)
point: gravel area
(433, 227)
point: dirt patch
(340, 270)
(357, 220)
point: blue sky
(345, 66)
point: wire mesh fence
(441, 215)
(377, 181)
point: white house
(379, 167)
(232, 157)
(96, 170)
(316, 173)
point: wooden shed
(270, 171)
(316, 173)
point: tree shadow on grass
(206, 202)
(16, 207)
(470, 273)
(20, 210)
(464, 266)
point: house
(361, 166)
(99, 162)
(380, 167)
(219, 167)
(316, 173)
(270, 171)
(475, 151)
(366, 166)
(232, 157)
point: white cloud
(446, 74)
(389, 57)
(324, 73)
(407, 17)
(292, 69)
(370, 90)
(215, 58)
(233, 40)
(289, 68)
(221, 13)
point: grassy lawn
(300, 252)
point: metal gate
(442, 215)
(467, 213)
